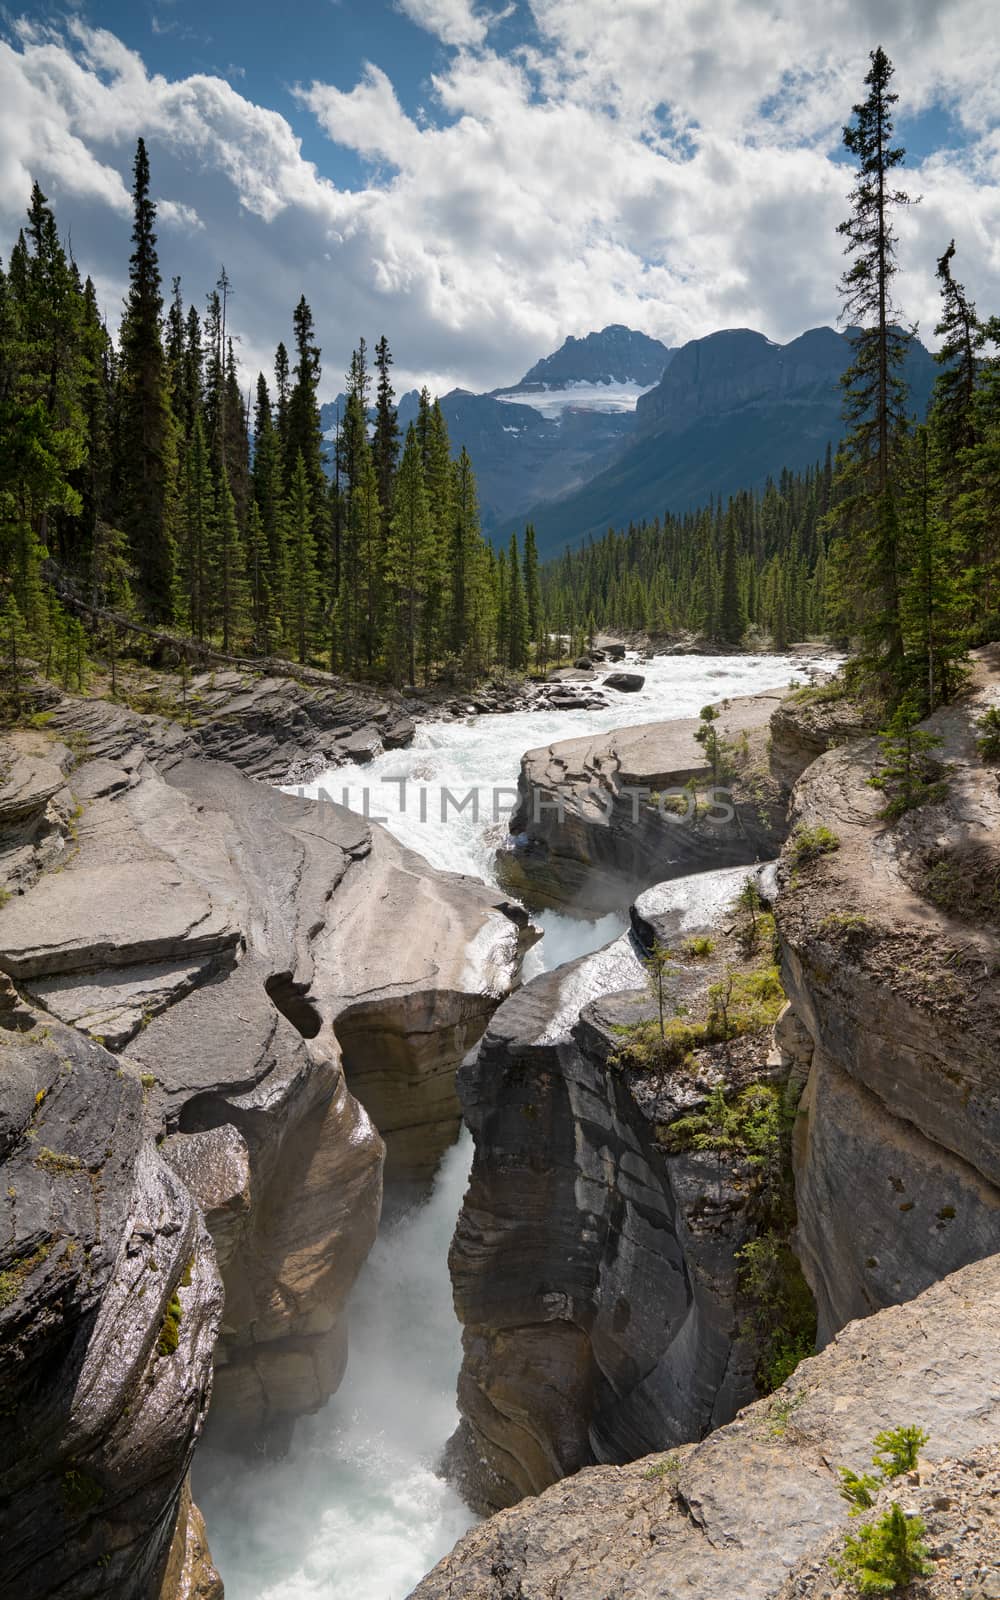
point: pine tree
(269, 499)
(302, 583)
(732, 612)
(868, 555)
(517, 612)
(148, 461)
(532, 585)
(409, 558)
(197, 533)
(385, 445)
(229, 586)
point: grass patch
(808, 844)
(55, 1161)
(699, 948)
(170, 1331)
(817, 694)
(964, 883)
(845, 927)
(740, 1003)
(988, 731)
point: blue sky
(480, 178)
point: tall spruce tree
(732, 611)
(147, 464)
(868, 552)
(532, 584)
(385, 444)
(517, 612)
(409, 559)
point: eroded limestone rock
(110, 1302)
(898, 1158)
(753, 1506)
(591, 829)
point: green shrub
(80, 1492)
(885, 1556)
(897, 1450)
(845, 927)
(14, 1276)
(808, 844)
(740, 1003)
(894, 1452)
(782, 1320)
(699, 947)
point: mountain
(615, 427)
(731, 410)
(616, 355)
(570, 415)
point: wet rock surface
(752, 1509)
(595, 1273)
(110, 1302)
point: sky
(478, 179)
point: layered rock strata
(601, 818)
(227, 952)
(595, 1274)
(752, 1509)
(891, 962)
(110, 1302)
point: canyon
(232, 1013)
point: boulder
(626, 682)
(602, 817)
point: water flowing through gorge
(357, 1511)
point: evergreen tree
(229, 586)
(302, 581)
(409, 558)
(197, 533)
(385, 445)
(868, 554)
(147, 462)
(517, 612)
(532, 584)
(732, 612)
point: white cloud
(455, 22)
(670, 168)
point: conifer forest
(139, 482)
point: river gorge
(358, 1509)
(245, 1021)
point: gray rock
(592, 827)
(753, 1505)
(102, 1409)
(625, 682)
(595, 1275)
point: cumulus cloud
(455, 22)
(672, 168)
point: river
(356, 1510)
